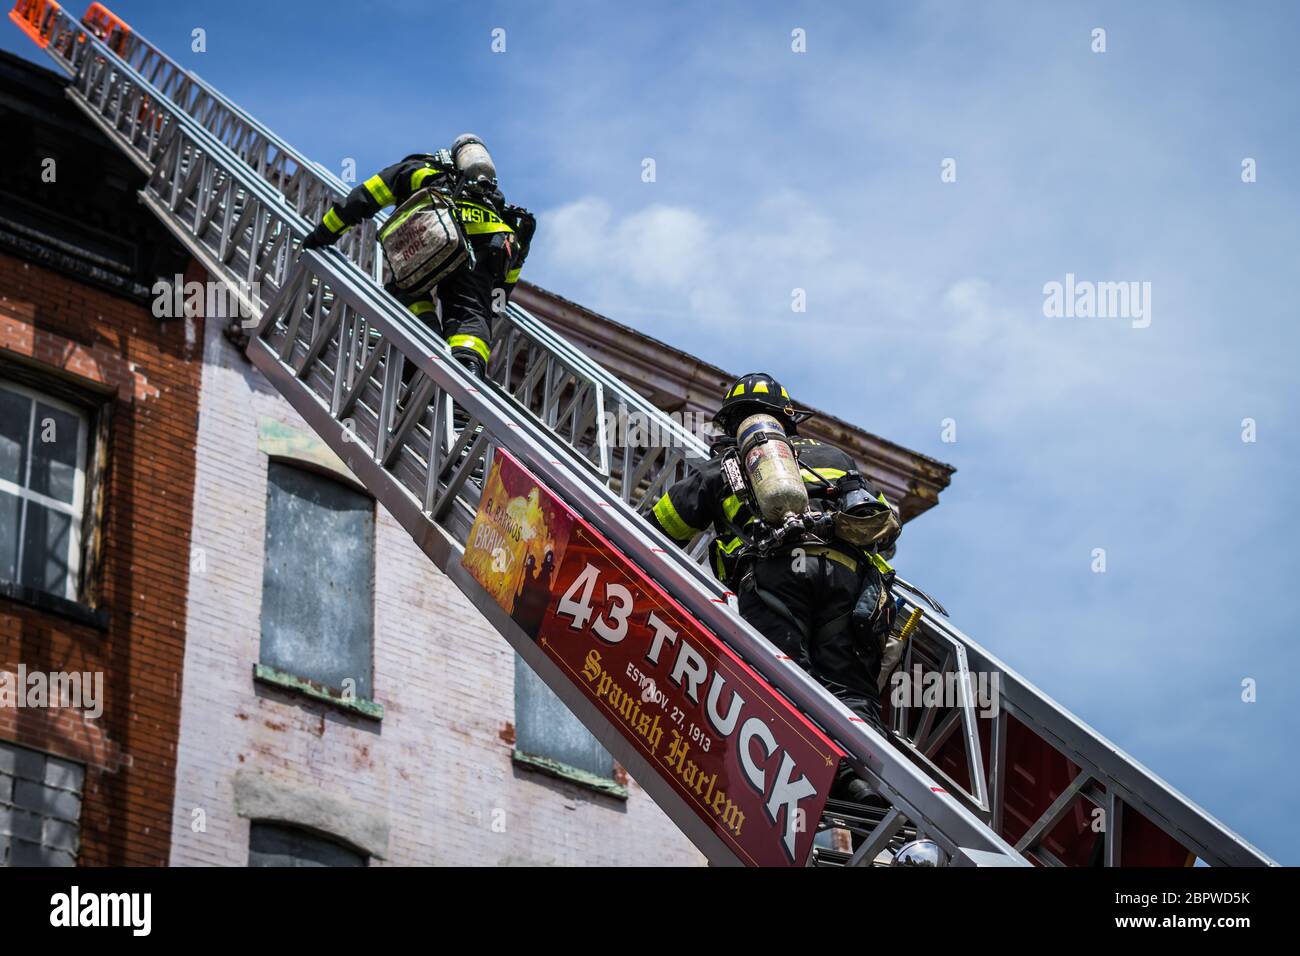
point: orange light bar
(34, 17)
(106, 25)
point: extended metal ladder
(336, 346)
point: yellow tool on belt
(912, 621)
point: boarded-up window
(545, 728)
(271, 844)
(317, 580)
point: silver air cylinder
(472, 158)
(773, 470)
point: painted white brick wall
(438, 767)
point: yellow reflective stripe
(730, 506)
(830, 474)
(738, 390)
(481, 228)
(419, 308)
(421, 174)
(380, 191)
(666, 514)
(478, 220)
(760, 386)
(481, 211)
(513, 275)
(721, 549)
(784, 393)
(391, 226)
(731, 545)
(470, 342)
(832, 554)
(883, 566)
(332, 221)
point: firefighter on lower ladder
(802, 538)
(453, 237)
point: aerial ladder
(1027, 784)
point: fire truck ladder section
(377, 385)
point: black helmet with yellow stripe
(752, 393)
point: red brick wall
(130, 751)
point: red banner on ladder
(747, 762)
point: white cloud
(662, 248)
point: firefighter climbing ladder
(335, 345)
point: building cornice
(676, 381)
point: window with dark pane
(43, 457)
(545, 727)
(317, 579)
(273, 844)
(40, 807)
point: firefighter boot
(849, 786)
(460, 417)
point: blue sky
(821, 171)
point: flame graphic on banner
(517, 543)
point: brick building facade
(112, 395)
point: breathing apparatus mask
(861, 519)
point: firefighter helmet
(752, 393)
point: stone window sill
(562, 771)
(360, 706)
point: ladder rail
(1123, 776)
(267, 153)
(308, 187)
(240, 127)
(274, 153)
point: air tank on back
(769, 460)
(472, 158)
